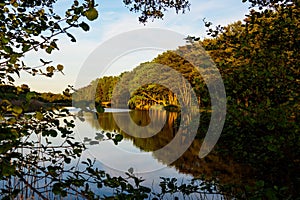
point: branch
(30, 186)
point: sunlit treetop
(268, 3)
(33, 25)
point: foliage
(32, 161)
(142, 97)
(155, 9)
(259, 63)
(49, 97)
(33, 26)
(99, 90)
(21, 95)
(263, 4)
(27, 153)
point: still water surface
(138, 153)
(131, 152)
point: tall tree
(25, 139)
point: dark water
(139, 153)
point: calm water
(139, 152)
(131, 152)
(145, 133)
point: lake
(145, 150)
(139, 153)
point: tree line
(259, 63)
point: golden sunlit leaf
(60, 67)
(17, 109)
(91, 14)
(39, 116)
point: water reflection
(225, 169)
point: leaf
(59, 67)
(99, 109)
(30, 95)
(91, 14)
(99, 137)
(45, 62)
(108, 135)
(17, 109)
(49, 50)
(260, 183)
(25, 47)
(5, 40)
(272, 147)
(7, 49)
(53, 133)
(67, 160)
(72, 37)
(50, 69)
(119, 138)
(84, 26)
(130, 170)
(94, 142)
(39, 116)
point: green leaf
(84, 26)
(260, 183)
(5, 40)
(30, 95)
(39, 116)
(17, 109)
(108, 135)
(99, 109)
(8, 170)
(25, 47)
(272, 147)
(119, 138)
(7, 49)
(49, 50)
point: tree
(25, 139)
(259, 63)
(27, 154)
(155, 9)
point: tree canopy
(259, 63)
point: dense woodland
(142, 98)
(258, 59)
(17, 97)
(259, 62)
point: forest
(258, 59)
(259, 64)
(17, 96)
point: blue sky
(115, 19)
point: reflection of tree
(225, 169)
(105, 120)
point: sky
(115, 19)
